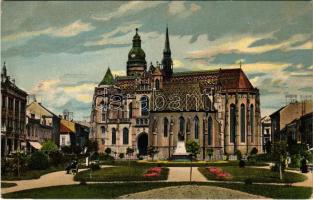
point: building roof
(67, 126)
(37, 108)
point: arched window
(210, 131)
(144, 101)
(113, 136)
(103, 130)
(165, 127)
(252, 121)
(157, 84)
(125, 135)
(182, 126)
(243, 123)
(130, 110)
(232, 123)
(196, 122)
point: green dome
(136, 53)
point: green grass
(120, 173)
(31, 174)
(7, 185)
(255, 175)
(101, 191)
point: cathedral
(155, 106)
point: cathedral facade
(220, 109)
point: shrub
(66, 149)
(94, 166)
(248, 181)
(295, 160)
(252, 159)
(140, 157)
(108, 151)
(238, 154)
(242, 163)
(38, 160)
(56, 158)
(254, 151)
(121, 155)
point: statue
(171, 126)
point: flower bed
(153, 172)
(219, 173)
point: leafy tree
(238, 154)
(92, 146)
(129, 151)
(66, 149)
(49, 146)
(193, 148)
(152, 151)
(279, 155)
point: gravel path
(191, 192)
(180, 174)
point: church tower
(167, 59)
(136, 63)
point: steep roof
(108, 78)
(37, 108)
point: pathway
(181, 174)
(51, 179)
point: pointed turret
(108, 78)
(167, 61)
(4, 70)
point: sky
(60, 51)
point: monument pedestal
(180, 153)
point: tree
(108, 151)
(254, 151)
(49, 146)
(279, 155)
(92, 146)
(129, 152)
(193, 148)
(121, 155)
(152, 151)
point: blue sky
(61, 50)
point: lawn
(254, 174)
(101, 191)
(120, 173)
(31, 174)
(6, 185)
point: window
(210, 131)
(103, 130)
(157, 84)
(63, 141)
(243, 123)
(130, 110)
(232, 123)
(103, 116)
(182, 126)
(113, 136)
(125, 135)
(196, 120)
(144, 101)
(252, 121)
(165, 127)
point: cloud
(110, 38)
(127, 8)
(177, 63)
(72, 29)
(179, 8)
(243, 44)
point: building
(41, 125)
(266, 130)
(220, 109)
(13, 114)
(284, 120)
(73, 133)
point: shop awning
(36, 145)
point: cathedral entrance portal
(142, 143)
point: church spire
(108, 78)
(167, 58)
(4, 70)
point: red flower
(151, 175)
